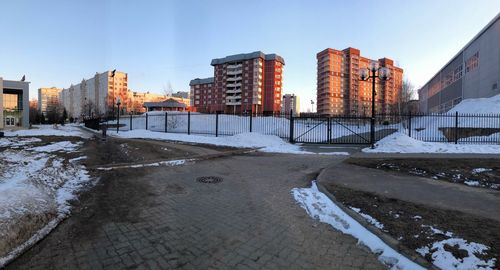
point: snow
(154, 164)
(319, 206)
(401, 143)
(37, 184)
(445, 259)
(489, 105)
(437, 231)
(48, 130)
(65, 146)
(368, 218)
(480, 170)
(472, 183)
(265, 143)
(9, 142)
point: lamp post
(312, 105)
(373, 72)
(118, 103)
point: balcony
(234, 71)
(233, 85)
(234, 66)
(233, 91)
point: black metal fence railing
(448, 128)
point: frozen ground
(401, 143)
(265, 143)
(36, 186)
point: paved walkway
(476, 201)
(162, 218)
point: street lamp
(118, 103)
(382, 74)
(312, 105)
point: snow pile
(48, 130)
(478, 106)
(65, 146)
(445, 259)
(401, 143)
(265, 143)
(36, 188)
(318, 206)
(480, 170)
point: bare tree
(168, 89)
(406, 94)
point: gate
(332, 130)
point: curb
(386, 238)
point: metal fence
(451, 128)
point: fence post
(130, 121)
(166, 121)
(216, 124)
(409, 125)
(456, 127)
(329, 123)
(250, 122)
(291, 127)
(146, 121)
(189, 123)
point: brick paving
(162, 218)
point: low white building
(14, 103)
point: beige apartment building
(48, 98)
(97, 95)
(339, 90)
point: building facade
(339, 90)
(242, 83)
(474, 72)
(97, 95)
(203, 98)
(290, 102)
(14, 103)
(48, 98)
(138, 100)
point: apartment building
(474, 72)
(250, 82)
(290, 102)
(48, 98)
(203, 98)
(14, 103)
(339, 90)
(97, 95)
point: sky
(161, 43)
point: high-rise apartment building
(290, 102)
(97, 95)
(249, 82)
(48, 98)
(339, 90)
(474, 72)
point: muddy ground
(462, 171)
(409, 223)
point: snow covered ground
(265, 143)
(401, 143)
(36, 186)
(319, 206)
(48, 130)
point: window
(472, 63)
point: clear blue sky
(56, 43)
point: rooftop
(247, 56)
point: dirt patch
(483, 173)
(416, 226)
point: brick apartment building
(290, 102)
(249, 82)
(339, 90)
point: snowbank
(401, 143)
(318, 206)
(265, 143)
(478, 106)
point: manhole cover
(209, 179)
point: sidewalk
(439, 194)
